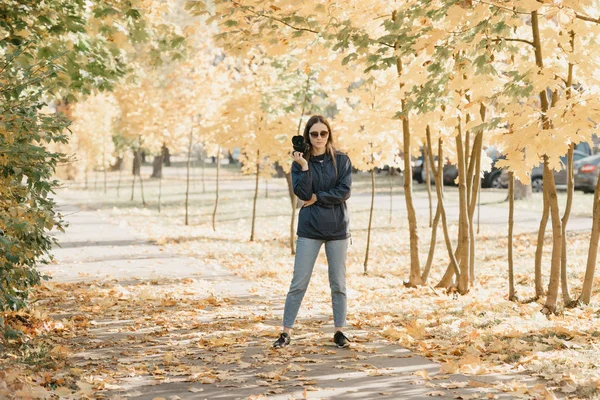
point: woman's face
(319, 134)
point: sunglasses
(323, 134)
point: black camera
(299, 144)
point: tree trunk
(137, 162)
(588, 282)
(157, 167)
(86, 177)
(438, 178)
(426, 153)
(104, 160)
(214, 216)
(432, 244)
(463, 219)
(142, 190)
(118, 165)
(255, 194)
(391, 182)
(292, 225)
(553, 286)
(159, 193)
(166, 156)
(473, 188)
(187, 178)
(539, 62)
(202, 161)
(565, 219)
(511, 223)
(539, 285)
(571, 188)
(415, 268)
(132, 187)
(370, 216)
(438, 213)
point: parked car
(418, 170)
(449, 171)
(581, 151)
(490, 179)
(560, 177)
(586, 173)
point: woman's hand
(310, 202)
(297, 156)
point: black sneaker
(341, 341)
(284, 340)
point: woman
(322, 178)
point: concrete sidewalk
(96, 253)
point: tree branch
(261, 15)
(504, 8)
(586, 18)
(514, 40)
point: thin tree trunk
(553, 286)
(160, 183)
(463, 232)
(255, 194)
(475, 198)
(432, 244)
(288, 176)
(539, 285)
(86, 177)
(511, 223)
(132, 187)
(539, 61)
(214, 216)
(159, 192)
(391, 182)
(203, 161)
(142, 189)
(438, 178)
(292, 225)
(588, 281)
(565, 219)
(136, 168)
(187, 178)
(436, 219)
(370, 216)
(95, 180)
(426, 156)
(266, 188)
(570, 188)
(415, 268)
(157, 166)
(473, 189)
(104, 160)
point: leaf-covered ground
(135, 334)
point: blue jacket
(327, 219)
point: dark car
(586, 173)
(418, 170)
(560, 177)
(490, 179)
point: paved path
(98, 252)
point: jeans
(307, 251)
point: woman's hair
(329, 147)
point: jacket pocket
(328, 220)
